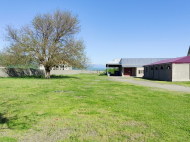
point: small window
(168, 67)
(151, 68)
(161, 67)
(156, 68)
(141, 71)
(146, 69)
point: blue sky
(114, 29)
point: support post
(107, 69)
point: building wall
(151, 71)
(156, 72)
(159, 72)
(63, 67)
(141, 73)
(41, 67)
(168, 72)
(180, 72)
(135, 71)
(146, 72)
(65, 72)
(67, 68)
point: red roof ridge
(185, 59)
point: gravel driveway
(152, 84)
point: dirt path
(152, 84)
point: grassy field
(90, 108)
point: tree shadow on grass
(62, 76)
(10, 122)
(5, 120)
(102, 74)
(43, 77)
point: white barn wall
(137, 71)
(180, 72)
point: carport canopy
(112, 66)
(108, 65)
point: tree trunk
(47, 73)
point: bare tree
(49, 40)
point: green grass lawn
(88, 107)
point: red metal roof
(185, 59)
